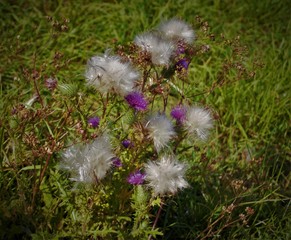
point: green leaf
(156, 202)
(68, 89)
(32, 167)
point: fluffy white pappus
(198, 122)
(146, 41)
(161, 130)
(108, 73)
(90, 162)
(165, 175)
(161, 49)
(177, 29)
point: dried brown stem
(156, 219)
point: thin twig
(34, 77)
(156, 220)
(37, 185)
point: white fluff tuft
(161, 49)
(198, 122)
(177, 29)
(166, 175)
(90, 162)
(108, 73)
(161, 130)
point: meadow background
(245, 163)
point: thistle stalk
(156, 219)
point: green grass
(251, 141)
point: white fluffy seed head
(198, 122)
(108, 73)
(165, 175)
(161, 49)
(177, 29)
(146, 41)
(161, 130)
(88, 162)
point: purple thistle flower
(137, 101)
(180, 50)
(179, 113)
(116, 162)
(94, 122)
(126, 143)
(136, 178)
(182, 64)
(51, 83)
(14, 111)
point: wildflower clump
(143, 100)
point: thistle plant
(141, 80)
